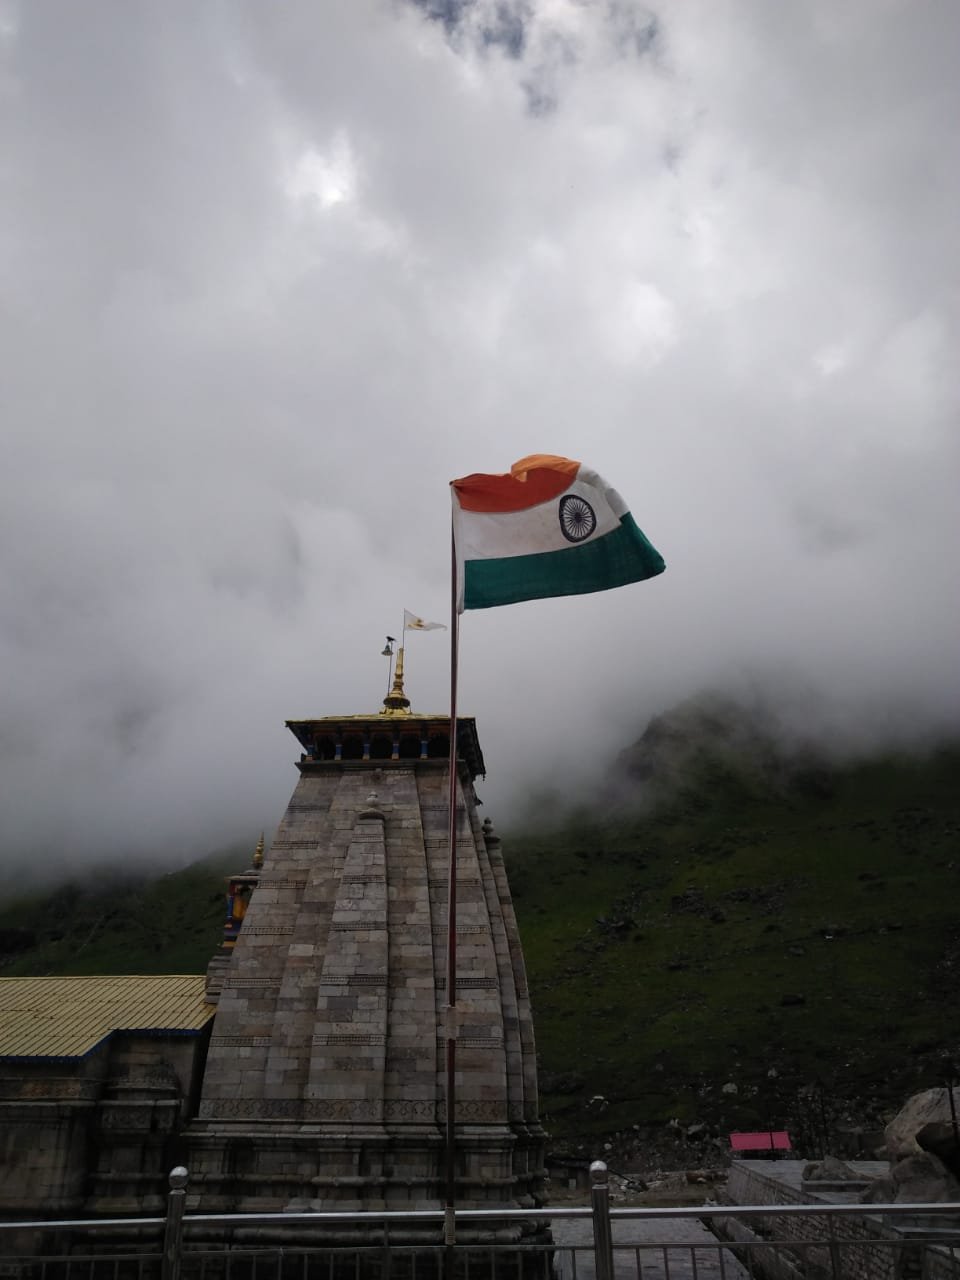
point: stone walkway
(691, 1251)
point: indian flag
(549, 527)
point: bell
(386, 652)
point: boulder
(830, 1169)
(930, 1107)
(940, 1139)
(921, 1179)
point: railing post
(600, 1205)
(835, 1269)
(173, 1235)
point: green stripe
(611, 561)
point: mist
(270, 276)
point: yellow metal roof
(67, 1017)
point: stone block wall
(96, 1135)
(325, 1082)
(869, 1248)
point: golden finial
(396, 703)
(258, 854)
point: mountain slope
(784, 931)
(111, 922)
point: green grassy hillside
(796, 937)
(110, 922)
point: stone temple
(323, 1081)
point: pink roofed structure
(769, 1140)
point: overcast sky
(272, 274)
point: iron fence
(728, 1242)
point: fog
(272, 275)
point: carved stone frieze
(240, 1042)
(469, 982)
(354, 979)
(477, 1111)
(363, 1109)
(360, 1109)
(135, 1118)
(474, 1042)
(58, 1088)
(358, 1037)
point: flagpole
(450, 1030)
(403, 633)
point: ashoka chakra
(577, 519)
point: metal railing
(768, 1242)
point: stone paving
(666, 1249)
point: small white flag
(412, 623)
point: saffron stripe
(612, 561)
(528, 483)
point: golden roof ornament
(258, 854)
(396, 703)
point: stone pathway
(691, 1252)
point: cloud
(268, 280)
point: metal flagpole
(450, 1030)
(403, 636)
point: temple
(320, 1083)
(326, 1063)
